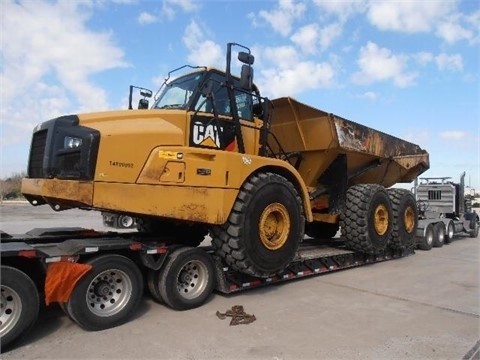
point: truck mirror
(246, 58)
(146, 93)
(246, 77)
(143, 104)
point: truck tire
(265, 227)
(187, 279)
(439, 234)
(405, 218)
(180, 233)
(108, 294)
(152, 284)
(474, 226)
(426, 241)
(450, 232)
(321, 230)
(19, 304)
(366, 222)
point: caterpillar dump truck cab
(211, 155)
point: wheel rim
(109, 292)
(274, 226)
(409, 220)
(10, 309)
(429, 237)
(192, 279)
(441, 236)
(450, 230)
(381, 219)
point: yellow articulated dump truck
(212, 156)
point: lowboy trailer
(98, 277)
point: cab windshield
(179, 93)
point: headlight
(72, 142)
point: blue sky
(409, 68)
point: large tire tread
(228, 239)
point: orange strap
(61, 280)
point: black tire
(265, 227)
(366, 222)
(179, 232)
(439, 234)
(474, 226)
(405, 219)
(187, 279)
(19, 304)
(152, 284)
(321, 230)
(426, 241)
(108, 294)
(450, 232)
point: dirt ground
(425, 306)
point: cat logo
(213, 133)
(206, 135)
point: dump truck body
(320, 137)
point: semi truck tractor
(444, 211)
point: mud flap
(61, 280)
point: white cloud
(452, 32)
(284, 74)
(449, 62)
(343, 9)
(281, 18)
(202, 51)
(408, 15)
(306, 38)
(453, 135)
(169, 7)
(423, 58)
(146, 18)
(52, 66)
(379, 64)
(329, 33)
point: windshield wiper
(172, 106)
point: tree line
(10, 188)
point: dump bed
(320, 137)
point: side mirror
(246, 77)
(146, 93)
(246, 58)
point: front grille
(37, 152)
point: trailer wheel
(19, 304)
(450, 232)
(321, 230)
(405, 218)
(426, 242)
(187, 279)
(108, 294)
(438, 234)
(152, 284)
(366, 222)
(265, 227)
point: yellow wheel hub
(409, 219)
(274, 226)
(381, 219)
